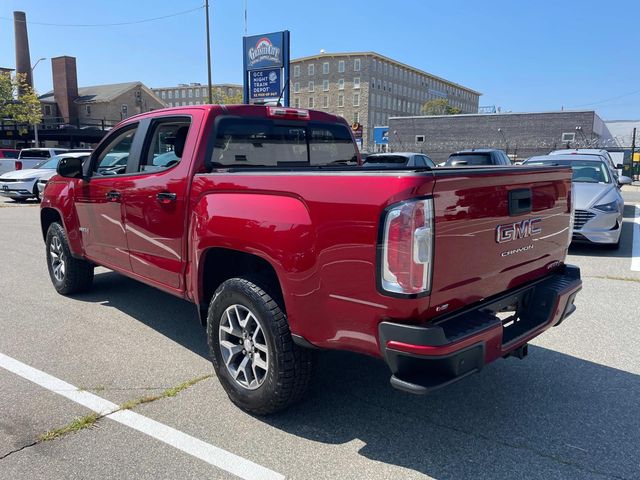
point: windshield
(469, 159)
(584, 171)
(397, 159)
(34, 153)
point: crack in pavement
(90, 420)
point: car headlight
(608, 207)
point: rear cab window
(257, 142)
(34, 153)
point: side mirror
(622, 180)
(619, 166)
(70, 168)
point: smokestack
(65, 87)
(23, 59)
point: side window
(428, 161)
(420, 161)
(166, 146)
(113, 159)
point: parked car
(597, 201)
(28, 158)
(9, 153)
(282, 255)
(617, 168)
(41, 183)
(21, 185)
(398, 159)
(478, 156)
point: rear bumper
(424, 358)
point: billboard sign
(265, 83)
(381, 135)
(266, 67)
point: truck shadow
(550, 416)
(626, 241)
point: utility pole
(206, 7)
(633, 151)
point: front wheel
(68, 274)
(251, 348)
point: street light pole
(35, 125)
(206, 7)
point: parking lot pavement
(570, 410)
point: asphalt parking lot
(569, 410)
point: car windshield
(33, 153)
(584, 171)
(396, 159)
(52, 163)
(469, 159)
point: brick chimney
(23, 58)
(65, 87)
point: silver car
(598, 203)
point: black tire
(290, 367)
(76, 275)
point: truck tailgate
(496, 230)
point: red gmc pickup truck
(264, 219)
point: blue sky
(523, 56)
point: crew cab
(264, 218)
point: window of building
(356, 65)
(356, 82)
(311, 103)
(312, 87)
(325, 101)
(384, 85)
(325, 85)
(296, 102)
(356, 117)
(296, 87)
(197, 93)
(47, 110)
(341, 66)
(340, 100)
(170, 94)
(356, 99)
(296, 70)
(176, 93)
(184, 104)
(204, 92)
(166, 146)
(341, 84)
(125, 110)
(88, 110)
(325, 68)
(183, 93)
(190, 93)
(311, 69)
(191, 103)
(379, 84)
(162, 95)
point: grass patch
(169, 392)
(76, 425)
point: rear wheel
(251, 348)
(68, 274)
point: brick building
(196, 93)
(368, 88)
(522, 135)
(99, 105)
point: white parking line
(635, 253)
(239, 466)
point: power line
(609, 99)
(134, 22)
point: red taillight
(408, 247)
(284, 112)
(18, 165)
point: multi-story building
(196, 94)
(367, 88)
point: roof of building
(466, 115)
(97, 93)
(387, 59)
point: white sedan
(21, 185)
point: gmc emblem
(517, 230)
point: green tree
(439, 106)
(23, 109)
(220, 98)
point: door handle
(113, 196)
(166, 197)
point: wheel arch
(219, 264)
(47, 217)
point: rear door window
(267, 143)
(166, 145)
